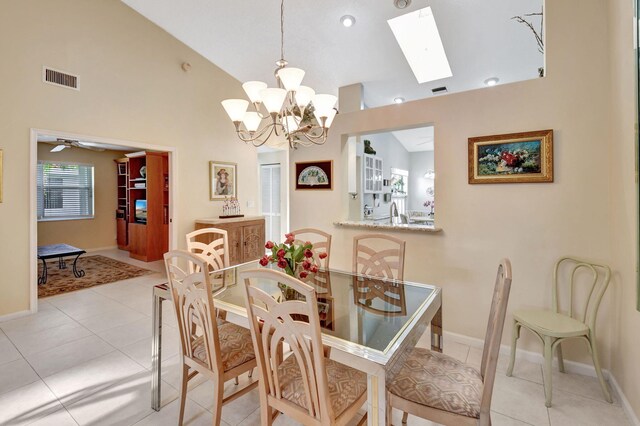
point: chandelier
(289, 109)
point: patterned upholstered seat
(236, 347)
(346, 384)
(439, 381)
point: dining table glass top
(369, 312)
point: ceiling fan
(63, 144)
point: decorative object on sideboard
(295, 111)
(368, 149)
(231, 208)
(511, 158)
(314, 175)
(223, 180)
(538, 34)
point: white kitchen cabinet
(372, 171)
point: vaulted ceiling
(243, 38)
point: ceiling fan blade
(83, 146)
(59, 148)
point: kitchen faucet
(393, 212)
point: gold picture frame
(223, 180)
(525, 157)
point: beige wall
(532, 224)
(132, 88)
(100, 231)
(622, 201)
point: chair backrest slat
(321, 243)
(596, 281)
(193, 302)
(493, 336)
(384, 263)
(212, 245)
(275, 322)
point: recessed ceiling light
(401, 4)
(418, 37)
(348, 20)
(492, 81)
(398, 100)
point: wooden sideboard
(246, 236)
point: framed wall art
(512, 158)
(223, 180)
(314, 175)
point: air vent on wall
(60, 78)
(439, 90)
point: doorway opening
(273, 171)
(101, 211)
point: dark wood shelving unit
(147, 241)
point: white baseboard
(626, 406)
(15, 315)
(570, 366)
(535, 357)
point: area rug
(98, 270)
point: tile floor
(83, 359)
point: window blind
(270, 189)
(65, 190)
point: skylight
(418, 37)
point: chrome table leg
(156, 351)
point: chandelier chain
(282, 30)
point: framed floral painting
(314, 175)
(223, 180)
(512, 158)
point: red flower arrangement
(297, 260)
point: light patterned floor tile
(29, 343)
(27, 404)
(572, 410)
(16, 374)
(47, 317)
(78, 382)
(127, 334)
(119, 316)
(59, 418)
(8, 351)
(520, 399)
(125, 403)
(69, 355)
(522, 369)
(233, 412)
(585, 386)
(194, 415)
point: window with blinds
(270, 193)
(65, 191)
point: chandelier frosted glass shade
(253, 89)
(235, 108)
(290, 78)
(294, 111)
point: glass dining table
(372, 322)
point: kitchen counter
(386, 226)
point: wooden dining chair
(321, 243)
(386, 262)
(553, 327)
(212, 244)
(217, 349)
(306, 386)
(444, 390)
